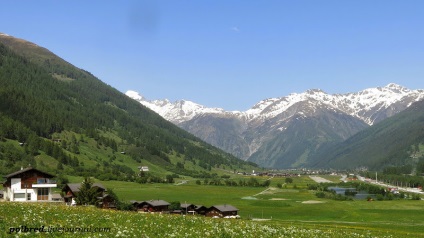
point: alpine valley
(298, 130)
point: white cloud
(236, 29)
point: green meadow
(290, 211)
(293, 204)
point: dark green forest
(42, 97)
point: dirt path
(319, 179)
(268, 190)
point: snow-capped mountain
(364, 105)
(176, 112)
(262, 133)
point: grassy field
(291, 206)
(20, 219)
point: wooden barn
(152, 206)
(221, 211)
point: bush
(320, 194)
(416, 197)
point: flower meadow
(52, 220)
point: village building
(151, 206)
(107, 202)
(187, 208)
(71, 190)
(143, 168)
(200, 209)
(28, 184)
(221, 211)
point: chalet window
(19, 195)
(29, 196)
(43, 194)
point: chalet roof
(104, 196)
(75, 187)
(156, 203)
(26, 170)
(225, 208)
(186, 205)
(199, 207)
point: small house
(200, 209)
(221, 211)
(28, 184)
(107, 202)
(143, 168)
(71, 190)
(188, 208)
(153, 206)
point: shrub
(320, 194)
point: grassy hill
(64, 120)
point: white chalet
(28, 185)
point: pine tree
(87, 194)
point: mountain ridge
(184, 110)
(250, 134)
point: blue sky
(230, 54)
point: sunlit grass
(132, 224)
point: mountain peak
(396, 88)
(315, 90)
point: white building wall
(7, 194)
(27, 191)
(15, 183)
(15, 192)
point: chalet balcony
(44, 183)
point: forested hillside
(396, 141)
(62, 119)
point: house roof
(75, 187)
(186, 205)
(104, 196)
(26, 170)
(197, 207)
(156, 203)
(225, 208)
